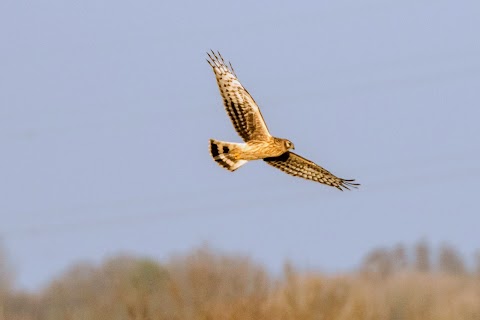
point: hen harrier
(259, 144)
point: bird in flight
(259, 143)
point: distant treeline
(391, 284)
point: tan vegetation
(391, 284)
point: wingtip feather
(348, 183)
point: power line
(389, 185)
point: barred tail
(220, 152)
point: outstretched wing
(298, 166)
(239, 104)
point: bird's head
(288, 144)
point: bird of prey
(259, 143)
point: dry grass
(205, 285)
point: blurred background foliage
(418, 282)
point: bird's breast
(255, 150)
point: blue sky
(106, 108)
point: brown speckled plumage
(259, 143)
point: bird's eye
(288, 144)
